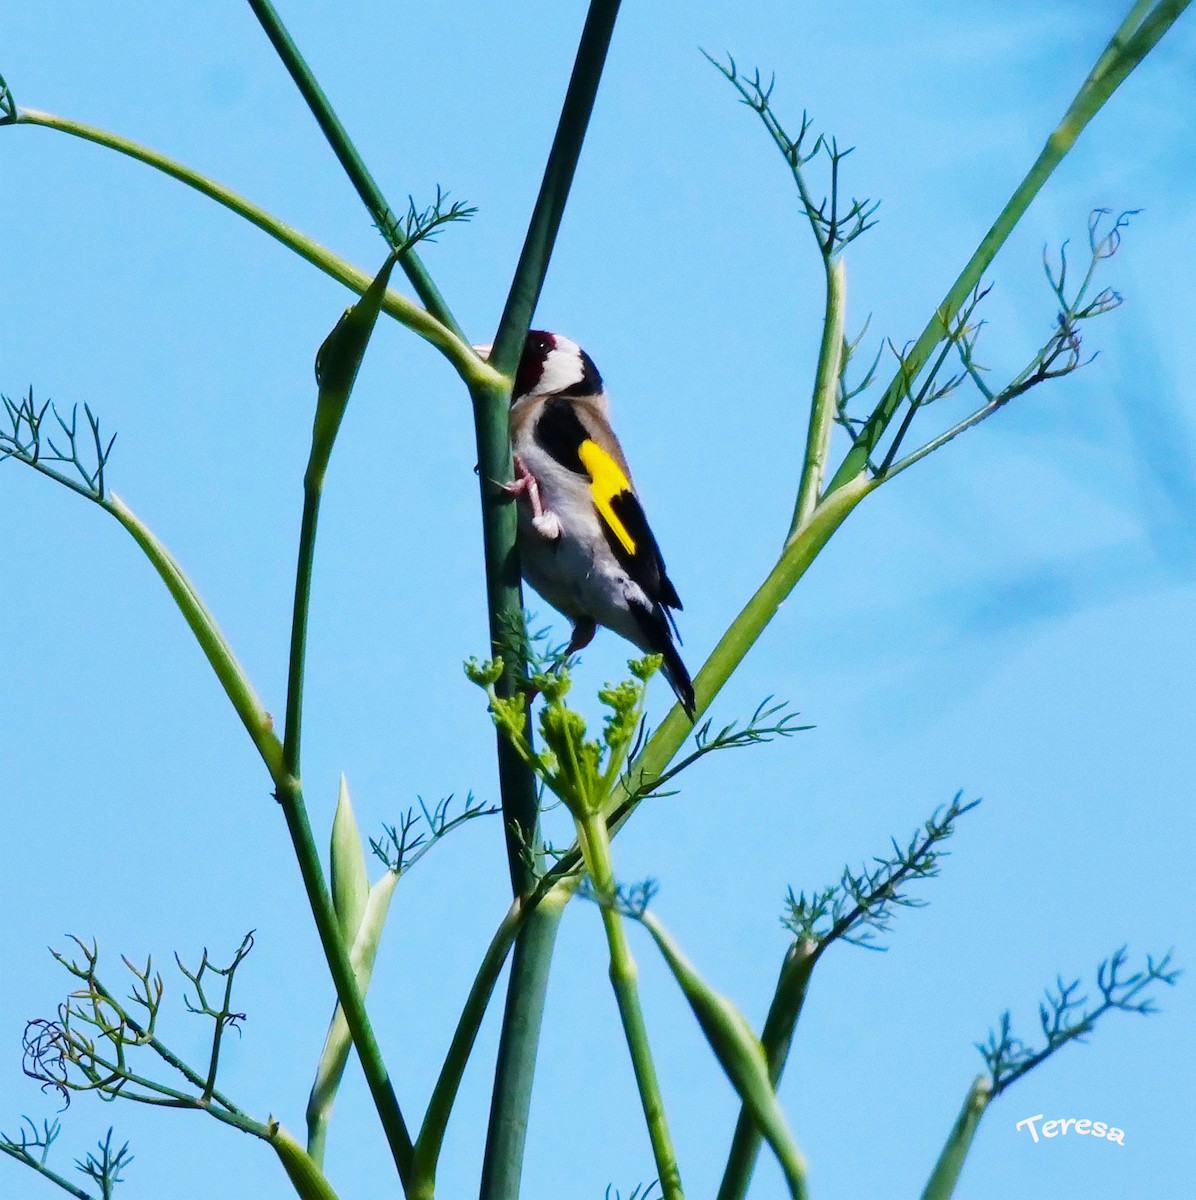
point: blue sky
(1013, 617)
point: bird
(584, 542)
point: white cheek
(562, 370)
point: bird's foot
(546, 524)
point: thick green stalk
(523, 1011)
(347, 155)
(946, 1171)
(555, 185)
(515, 1068)
(776, 1039)
(595, 844)
(431, 1135)
(1133, 40)
(504, 595)
(454, 347)
(826, 385)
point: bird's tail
(657, 634)
(678, 677)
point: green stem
(651, 762)
(30, 1160)
(1134, 39)
(257, 721)
(455, 348)
(217, 1036)
(290, 796)
(826, 385)
(739, 1053)
(514, 1071)
(800, 551)
(946, 1171)
(295, 676)
(431, 1135)
(555, 185)
(306, 1177)
(169, 1057)
(595, 844)
(504, 595)
(523, 1012)
(779, 1025)
(347, 155)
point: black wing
(560, 432)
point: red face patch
(536, 349)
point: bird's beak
(483, 350)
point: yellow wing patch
(606, 482)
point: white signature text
(1060, 1126)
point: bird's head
(552, 365)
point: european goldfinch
(584, 542)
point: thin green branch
(27, 443)
(833, 230)
(826, 386)
(257, 721)
(223, 1016)
(337, 364)
(41, 1168)
(290, 797)
(342, 146)
(739, 638)
(770, 720)
(650, 764)
(738, 1050)
(854, 910)
(33, 1147)
(1136, 36)
(1064, 1016)
(595, 843)
(53, 1047)
(935, 443)
(455, 348)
